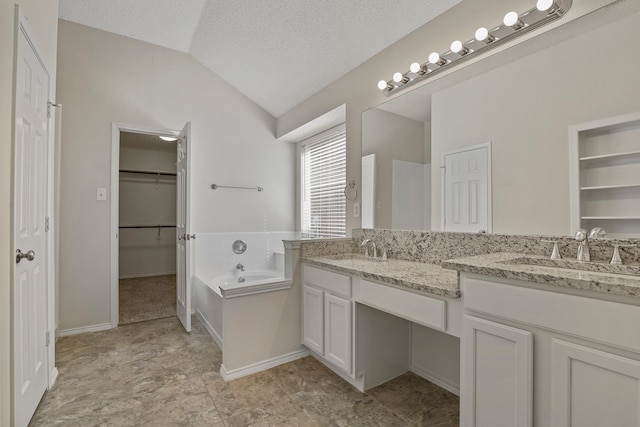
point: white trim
(262, 366)
(260, 288)
(53, 376)
(217, 338)
(486, 145)
(116, 128)
(436, 379)
(85, 329)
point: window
(323, 179)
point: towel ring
(351, 186)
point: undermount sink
(589, 267)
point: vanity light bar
(513, 26)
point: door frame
(116, 128)
(443, 183)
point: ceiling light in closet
(168, 138)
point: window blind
(324, 176)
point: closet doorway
(149, 212)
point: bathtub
(211, 292)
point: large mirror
(521, 102)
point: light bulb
(457, 47)
(511, 19)
(415, 67)
(382, 85)
(544, 5)
(481, 34)
(168, 138)
(434, 57)
(397, 77)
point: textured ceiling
(276, 52)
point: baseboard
(357, 383)
(135, 276)
(436, 379)
(217, 338)
(262, 366)
(53, 376)
(85, 329)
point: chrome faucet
(365, 243)
(240, 267)
(583, 238)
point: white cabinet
(327, 316)
(337, 331)
(605, 178)
(592, 387)
(497, 384)
(313, 322)
(586, 356)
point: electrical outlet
(356, 210)
(101, 194)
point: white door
(496, 383)
(183, 241)
(368, 191)
(313, 318)
(466, 190)
(593, 387)
(337, 331)
(30, 241)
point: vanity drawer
(421, 309)
(335, 283)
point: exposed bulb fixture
(459, 48)
(482, 35)
(168, 138)
(513, 25)
(434, 58)
(546, 6)
(382, 85)
(511, 19)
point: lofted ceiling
(276, 52)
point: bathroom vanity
(542, 342)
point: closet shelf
(612, 217)
(611, 156)
(147, 226)
(149, 172)
(608, 187)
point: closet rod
(147, 226)
(148, 172)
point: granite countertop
(418, 276)
(591, 276)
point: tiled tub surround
(214, 256)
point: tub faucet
(365, 243)
(240, 267)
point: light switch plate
(101, 194)
(356, 210)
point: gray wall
(105, 78)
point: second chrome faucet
(583, 238)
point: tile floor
(147, 298)
(154, 374)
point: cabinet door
(313, 319)
(593, 387)
(337, 331)
(496, 374)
